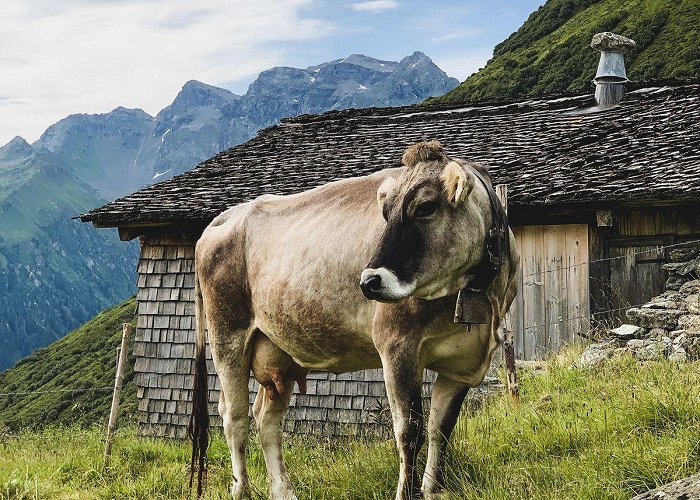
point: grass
(576, 433)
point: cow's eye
(425, 209)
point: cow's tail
(198, 429)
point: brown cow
(277, 281)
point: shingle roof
(547, 152)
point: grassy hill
(550, 52)
(84, 359)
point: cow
(355, 274)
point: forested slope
(551, 53)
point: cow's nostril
(374, 283)
(371, 285)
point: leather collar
(496, 251)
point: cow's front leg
(445, 405)
(403, 380)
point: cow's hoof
(436, 495)
(240, 491)
(282, 492)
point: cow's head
(436, 225)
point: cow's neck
(472, 304)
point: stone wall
(164, 347)
(668, 326)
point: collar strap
(496, 250)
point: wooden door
(552, 306)
(636, 274)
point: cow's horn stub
(423, 152)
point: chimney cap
(608, 41)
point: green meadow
(608, 432)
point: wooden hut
(593, 194)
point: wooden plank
(533, 290)
(516, 309)
(636, 273)
(598, 270)
(539, 295)
(577, 281)
(555, 286)
(684, 221)
(553, 302)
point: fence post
(118, 380)
(508, 348)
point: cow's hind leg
(445, 405)
(269, 415)
(231, 352)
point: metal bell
(473, 307)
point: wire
(588, 317)
(22, 393)
(594, 261)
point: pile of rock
(686, 489)
(668, 326)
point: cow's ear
(384, 189)
(457, 183)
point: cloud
(87, 56)
(457, 35)
(461, 66)
(375, 5)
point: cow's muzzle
(383, 285)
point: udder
(272, 367)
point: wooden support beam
(508, 348)
(118, 380)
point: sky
(90, 56)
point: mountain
(125, 149)
(111, 141)
(415, 76)
(55, 273)
(550, 52)
(84, 360)
(187, 131)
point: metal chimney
(611, 77)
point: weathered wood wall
(552, 305)
(164, 348)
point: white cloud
(375, 5)
(458, 35)
(85, 56)
(461, 66)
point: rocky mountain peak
(418, 59)
(137, 113)
(370, 63)
(196, 93)
(16, 148)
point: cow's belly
(318, 338)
